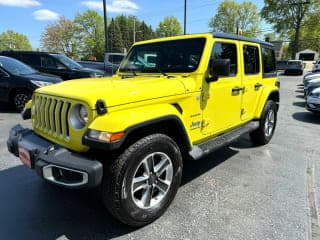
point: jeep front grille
(51, 116)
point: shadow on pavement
(299, 104)
(300, 91)
(300, 96)
(6, 108)
(33, 209)
(307, 117)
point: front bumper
(53, 162)
(313, 104)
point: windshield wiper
(130, 70)
(162, 72)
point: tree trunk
(296, 40)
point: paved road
(238, 192)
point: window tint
(226, 51)
(32, 60)
(48, 62)
(167, 56)
(251, 59)
(115, 59)
(268, 57)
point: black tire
(20, 98)
(117, 187)
(263, 135)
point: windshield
(169, 56)
(15, 67)
(67, 61)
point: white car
(316, 66)
(313, 101)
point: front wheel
(20, 98)
(140, 185)
(268, 121)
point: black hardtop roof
(241, 38)
(28, 52)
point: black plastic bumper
(44, 154)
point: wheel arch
(169, 125)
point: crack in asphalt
(314, 228)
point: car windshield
(67, 61)
(15, 67)
(167, 56)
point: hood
(116, 91)
(42, 77)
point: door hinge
(242, 111)
(205, 123)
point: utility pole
(185, 18)
(105, 25)
(134, 30)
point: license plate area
(24, 156)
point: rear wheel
(268, 121)
(140, 185)
(20, 98)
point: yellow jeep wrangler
(171, 99)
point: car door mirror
(217, 68)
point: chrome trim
(48, 175)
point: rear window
(269, 62)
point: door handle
(236, 90)
(257, 86)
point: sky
(30, 17)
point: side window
(251, 59)
(48, 62)
(269, 61)
(226, 51)
(32, 60)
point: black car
(54, 63)
(18, 81)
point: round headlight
(83, 114)
(79, 116)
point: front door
(252, 80)
(4, 86)
(221, 101)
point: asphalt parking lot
(238, 192)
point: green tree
(170, 26)
(61, 37)
(232, 15)
(310, 32)
(14, 40)
(126, 30)
(91, 33)
(286, 16)
(115, 38)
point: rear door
(222, 99)
(252, 79)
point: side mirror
(218, 67)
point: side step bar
(202, 149)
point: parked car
(311, 86)
(54, 63)
(110, 64)
(281, 65)
(17, 81)
(130, 137)
(313, 101)
(316, 66)
(310, 76)
(294, 67)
